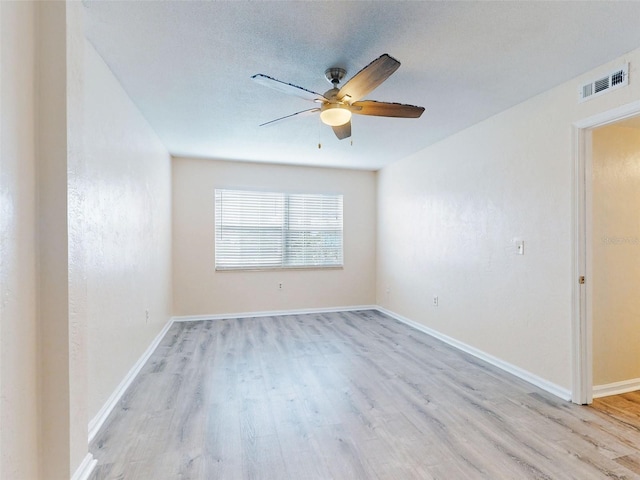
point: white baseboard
(85, 469)
(616, 388)
(271, 313)
(97, 421)
(525, 375)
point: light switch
(520, 247)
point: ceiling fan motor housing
(332, 95)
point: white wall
(448, 217)
(53, 96)
(120, 231)
(18, 282)
(85, 239)
(76, 321)
(616, 254)
(200, 290)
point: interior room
(468, 307)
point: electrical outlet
(280, 286)
(520, 247)
(146, 316)
(435, 301)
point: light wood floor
(351, 395)
(624, 408)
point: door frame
(582, 321)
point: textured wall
(76, 160)
(85, 250)
(18, 283)
(120, 230)
(53, 95)
(448, 217)
(616, 254)
(199, 289)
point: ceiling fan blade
(368, 78)
(288, 88)
(343, 131)
(386, 109)
(303, 113)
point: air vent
(616, 79)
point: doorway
(607, 246)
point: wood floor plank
(624, 408)
(348, 395)
(262, 458)
(341, 452)
(631, 462)
(222, 442)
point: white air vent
(616, 79)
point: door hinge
(581, 280)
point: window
(257, 230)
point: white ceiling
(187, 66)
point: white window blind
(257, 230)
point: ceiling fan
(338, 104)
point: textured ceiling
(187, 66)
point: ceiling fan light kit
(334, 115)
(338, 104)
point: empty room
(319, 240)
